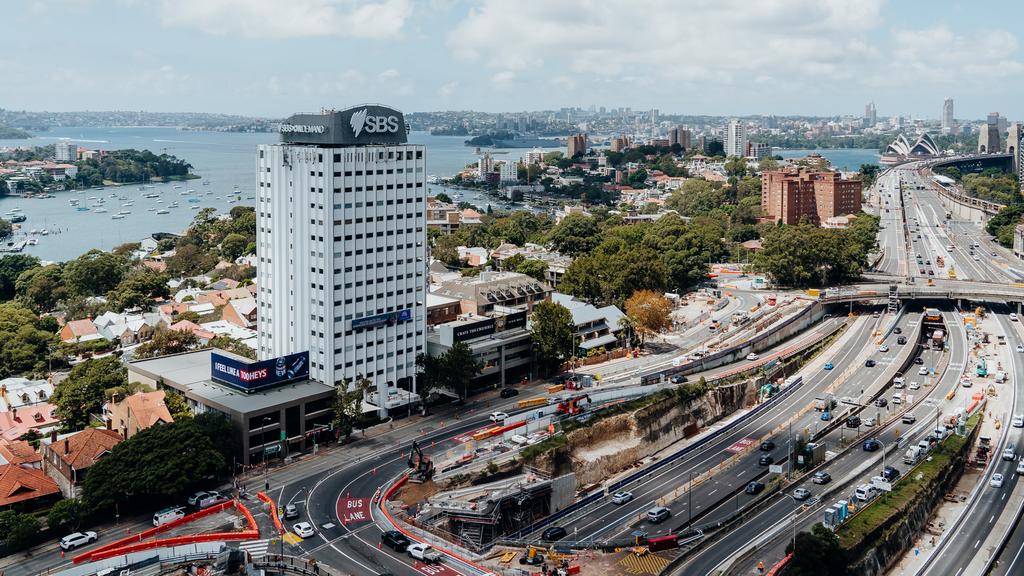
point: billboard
(357, 126)
(390, 318)
(250, 376)
(473, 330)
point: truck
(913, 455)
(424, 553)
(824, 403)
(940, 262)
(938, 338)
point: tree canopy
(804, 255)
(83, 391)
(552, 334)
(649, 313)
(25, 340)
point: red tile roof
(85, 447)
(19, 452)
(19, 484)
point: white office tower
(65, 151)
(947, 116)
(341, 242)
(735, 139)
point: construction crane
(572, 405)
(422, 466)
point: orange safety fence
(118, 547)
(384, 509)
(273, 511)
(782, 564)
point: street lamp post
(689, 502)
(796, 509)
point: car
(876, 314)
(826, 415)
(752, 356)
(869, 363)
(766, 460)
(291, 511)
(196, 498)
(914, 385)
(621, 497)
(920, 270)
(303, 529)
(931, 272)
(853, 422)
(996, 481)
(677, 379)
(897, 330)
(901, 340)
(918, 360)
(890, 474)
(883, 348)
(754, 487)
(801, 494)
(395, 540)
(1018, 421)
(1009, 454)
(922, 371)
(1020, 467)
(210, 499)
(423, 552)
(897, 398)
(498, 417)
(767, 446)
(868, 422)
(1013, 316)
(658, 514)
(881, 402)
(994, 254)
(821, 477)
(870, 445)
(76, 539)
(1020, 347)
(977, 259)
(828, 366)
(553, 534)
(509, 392)
(909, 418)
(898, 382)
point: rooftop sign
(361, 125)
(252, 376)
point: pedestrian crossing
(255, 548)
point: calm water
(841, 158)
(227, 161)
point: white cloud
(289, 19)
(448, 89)
(939, 55)
(699, 40)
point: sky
(717, 57)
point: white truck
(424, 553)
(822, 403)
(913, 455)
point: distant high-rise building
(577, 145)
(342, 247)
(509, 171)
(654, 115)
(870, 115)
(1013, 139)
(65, 151)
(673, 136)
(601, 110)
(619, 143)
(735, 139)
(947, 116)
(535, 156)
(484, 166)
(988, 135)
(685, 139)
(798, 193)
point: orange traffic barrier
(273, 511)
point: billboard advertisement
(250, 376)
(361, 125)
(390, 318)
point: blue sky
(720, 57)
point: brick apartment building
(791, 194)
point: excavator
(572, 405)
(422, 466)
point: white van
(1000, 377)
(167, 515)
(865, 492)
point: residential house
(17, 392)
(201, 333)
(474, 256)
(479, 295)
(241, 312)
(595, 327)
(26, 489)
(20, 453)
(67, 460)
(79, 331)
(15, 423)
(128, 329)
(136, 412)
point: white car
(752, 356)
(1013, 316)
(1020, 467)
(423, 552)
(1008, 454)
(1020, 347)
(1018, 421)
(883, 348)
(868, 422)
(72, 541)
(498, 417)
(621, 497)
(997, 480)
(922, 371)
(914, 385)
(303, 529)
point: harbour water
(226, 160)
(846, 159)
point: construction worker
(760, 567)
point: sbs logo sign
(360, 123)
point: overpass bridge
(967, 163)
(950, 290)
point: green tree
(94, 273)
(5, 227)
(232, 345)
(638, 178)
(225, 439)
(649, 312)
(429, 374)
(575, 235)
(460, 368)
(138, 289)
(348, 403)
(24, 343)
(41, 288)
(166, 341)
(177, 405)
(817, 553)
(82, 392)
(534, 268)
(65, 516)
(18, 530)
(233, 246)
(868, 174)
(442, 197)
(157, 465)
(552, 335)
(11, 267)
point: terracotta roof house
(79, 331)
(26, 488)
(39, 417)
(20, 453)
(137, 412)
(68, 460)
(241, 312)
(203, 334)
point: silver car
(801, 493)
(621, 497)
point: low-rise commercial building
(481, 294)
(500, 341)
(273, 410)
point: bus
(932, 315)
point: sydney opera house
(902, 151)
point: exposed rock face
(618, 442)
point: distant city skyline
(730, 58)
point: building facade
(947, 116)
(735, 139)
(794, 194)
(988, 135)
(577, 145)
(65, 151)
(341, 240)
